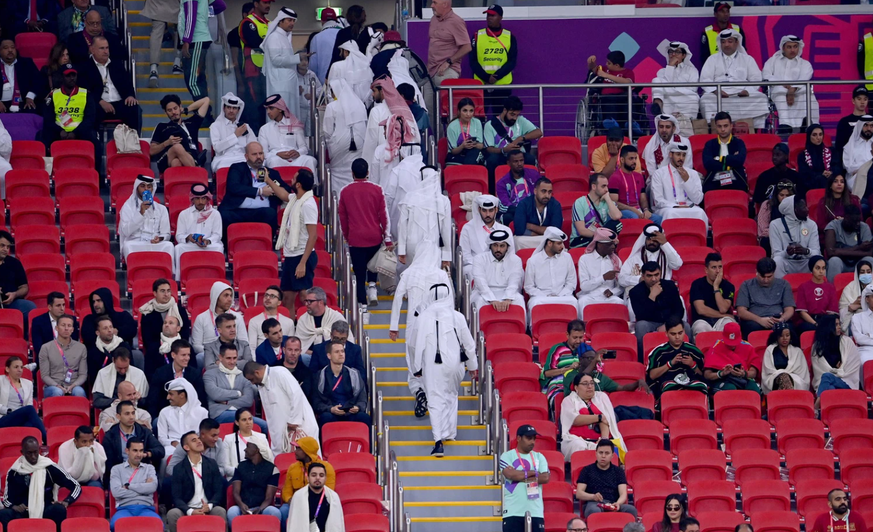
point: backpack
(126, 139)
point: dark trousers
(130, 115)
(360, 258)
(25, 416)
(516, 524)
(230, 216)
(493, 160)
(465, 157)
(256, 93)
(56, 512)
(361, 416)
(195, 70)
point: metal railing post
(480, 354)
(383, 457)
(808, 102)
(398, 496)
(528, 522)
(465, 302)
(407, 522)
(437, 101)
(630, 113)
(494, 430)
(359, 323)
(376, 410)
(313, 112)
(365, 345)
(451, 111)
(542, 111)
(316, 139)
(718, 97)
(487, 395)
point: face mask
(866, 278)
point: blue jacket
(354, 358)
(526, 212)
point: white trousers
(442, 383)
(754, 106)
(304, 160)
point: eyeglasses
(586, 383)
(271, 296)
(309, 301)
(674, 508)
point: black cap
(860, 91)
(526, 430)
(720, 5)
(614, 133)
(494, 9)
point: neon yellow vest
(493, 52)
(712, 37)
(868, 58)
(257, 54)
(74, 106)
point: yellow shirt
(601, 156)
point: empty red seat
(556, 465)
(812, 496)
(624, 372)
(33, 524)
(263, 264)
(755, 464)
(36, 45)
(37, 240)
(558, 150)
(683, 404)
(719, 521)
(39, 290)
(66, 410)
(92, 267)
(269, 523)
(742, 260)
(200, 523)
(373, 523)
(856, 465)
(245, 237)
(512, 321)
(27, 155)
(80, 183)
(736, 404)
(10, 442)
(519, 406)
(44, 267)
(357, 498)
(726, 204)
(642, 434)
(116, 162)
(728, 232)
(557, 497)
(517, 377)
(547, 434)
(766, 496)
(551, 318)
(500, 348)
(26, 184)
(623, 343)
(692, 434)
(178, 180)
(605, 317)
(465, 178)
(852, 434)
(843, 404)
(344, 437)
(148, 265)
(11, 324)
(705, 340)
(789, 404)
(608, 521)
(32, 211)
(72, 154)
(91, 523)
(86, 239)
(354, 467)
(809, 464)
(784, 521)
(702, 464)
(799, 434)
(711, 496)
(684, 232)
(81, 211)
(91, 504)
(568, 178)
(201, 265)
(645, 465)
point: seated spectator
(83, 458)
(344, 126)
(115, 96)
(205, 329)
(591, 363)
(790, 100)
(793, 238)
(817, 162)
(248, 482)
(133, 484)
(603, 484)
(577, 525)
(733, 64)
(423, 214)
(184, 413)
(679, 101)
(690, 524)
(180, 357)
(213, 448)
(128, 427)
(340, 392)
(79, 44)
(243, 435)
(857, 149)
(104, 351)
(594, 210)
(465, 135)
(847, 240)
(13, 280)
(769, 211)
(52, 71)
(158, 353)
(846, 125)
(731, 364)
(226, 324)
(316, 324)
(562, 359)
(784, 365)
(675, 364)
(283, 138)
(307, 502)
(24, 20)
(836, 361)
(838, 502)
(631, 198)
(174, 143)
(102, 304)
(229, 134)
(862, 328)
(271, 300)
(851, 302)
(587, 417)
(339, 334)
(31, 485)
(604, 160)
(497, 276)
(70, 112)
(833, 205)
(598, 272)
(45, 326)
(765, 300)
(521, 474)
(145, 224)
(681, 198)
(108, 379)
(301, 372)
(613, 99)
(712, 298)
(536, 213)
(475, 237)
(655, 153)
(517, 184)
(653, 302)
(509, 131)
(817, 296)
(17, 409)
(650, 246)
(22, 87)
(724, 158)
(72, 19)
(269, 352)
(307, 453)
(549, 277)
(675, 511)
(126, 391)
(200, 494)
(153, 316)
(199, 227)
(63, 364)
(227, 390)
(252, 191)
(780, 173)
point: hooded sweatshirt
(122, 320)
(790, 230)
(204, 330)
(296, 477)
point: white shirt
(735, 68)
(591, 268)
(277, 136)
(110, 93)
(475, 240)
(309, 215)
(222, 133)
(144, 227)
(9, 89)
(196, 501)
(188, 225)
(552, 276)
(256, 336)
(497, 280)
(669, 189)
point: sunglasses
(674, 508)
(309, 301)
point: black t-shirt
(771, 177)
(233, 39)
(604, 482)
(701, 289)
(321, 518)
(189, 134)
(255, 478)
(11, 275)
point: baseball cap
(494, 9)
(614, 133)
(68, 68)
(719, 6)
(328, 14)
(392, 36)
(732, 335)
(526, 430)
(860, 91)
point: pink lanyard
(627, 189)
(16, 390)
(675, 195)
(212, 317)
(533, 460)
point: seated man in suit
(109, 84)
(210, 484)
(79, 44)
(45, 326)
(22, 85)
(227, 335)
(22, 20)
(339, 334)
(72, 19)
(227, 390)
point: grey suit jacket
(65, 21)
(212, 349)
(219, 392)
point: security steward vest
(73, 105)
(868, 58)
(492, 52)
(712, 36)
(256, 54)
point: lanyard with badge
(16, 390)
(65, 119)
(636, 192)
(533, 491)
(68, 377)
(726, 176)
(673, 183)
(313, 527)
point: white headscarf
(426, 194)
(134, 200)
(193, 400)
(239, 103)
(274, 24)
(857, 150)
(353, 108)
(426, 269)
(688, 55)
(664, 117)
(639, 248)
(784, 68)
(728, 33)
(476, 218)
(434, 322)
(551, 234)
(398, 67)
(358, 66)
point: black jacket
(65, 21)
(99, 359)
(47, 10)
(239, 187)
(17, 487)
(158, 396)
(736, 161)
(351, 384)
(79, 51)
(112, 446)
(41, 331)
(151, 325)
(667, 304)
(122, 320)
(29, 79)
(183, 484)
(91, 79)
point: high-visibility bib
(69, 110)
(256, 54)
(868, 58)
(492, 52)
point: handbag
(383, 262)
(126, 139)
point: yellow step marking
(139, 24)
(387, 355)
(434, 459)
(411, 413)
(428, 443)
(140, 37)
(449, 503)
(385, 312)
(456, 519)
(379, 325)
(386, 298)
(445, 473)
(440, 488)
(387, 341)
(135, 12)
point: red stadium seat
(251, 291)
(92, 267)
(465, 178)
(809, 464)
(862, 496)
(726, 204)
(119, 161)
(245, 237)
(736, 404)
(567, 178)
(178, 180)
(27, 155)
(282, 462)
(555, 522)
(759, 147)
(797, 143)
(766, 496)
(201, 523)
(644, 466)
(26, 184)
(519, 406)
(649, 496)
(86, 239)
(83, 289)
(789, 404)
(344, 437)
(742, 260)
(148, 265)
(755, 464)
(76, 183)
(705, 340)
(33, 525)
(623, 343)
(729, 232)
(220, 184)
(500, 348)
(743, 434)
(642, 434)
(558, 150)
(263, 523)
(776, 522)
(692, 434)
(795, 280)
(492, 322)
(856, 465)
(697, 144)
(55, 436)
(637, 398)
(567, 200)
(685, 232)
(477, 96)
(81, 211)
(36, 45)
(72, 154)
(354, 467)
(631, 229)
(558, 497)
(66, 410)
(556, 465)
(121, 184)
(176, 204)
(39, 290)
(608, 521)
(843, 404)
(91, 504)
(842, 280)
(517, 377)
(799, 434)
(812, 496)
(373, 523)
(358, 498)
(197, 292)
(10, 441)
(605, 318)
(547, 434)
(813, 197)
(44, 266)
(32, 211)
(91, 523)
(551, 318)
(712, 496)
(323, 267)
(201, 265)
(700, 465)
(683, 404)
(624, 372)
(693, 261)
(851, 434)
(719, 521)
(255, 264)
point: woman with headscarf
(816, 297)
(424, 213)
(784, 365)
(355, 69)
(280, 61)
(344, 125)
(682, 101)
(402, 137)
(282, 137)
(836, 362)
(199, 226)
(145, 224)
(598, 271)
(817, 162)
(229, 137)
(769, 211)
(788, 65)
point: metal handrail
(398, 503)
(313, 114)
(365, 347)
(407, 522)
(495, 434)
(324, 181)
(486, 404)
(466, 306)
(378, 413)
(383, 458)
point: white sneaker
(177, 66)
(372, 295)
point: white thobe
(656, 142)
(173, 422)
(137, 230)
(862, 332)
(592, 286)
(188, 225)
(276, 137)
(375, 134)
(779, 68)
(495, 280)
(475, 240)
(416, 224)
(285, 404)
(280, 68)
(5, 155)
(737, 68)
(256, 335)
(856, 154)
(360, 85)
(321, 48)
(670, 192)
(338, 137)
(403, 179)
(629, 276)
(304, 111)
(381, 168)
(678, 100)
(229, 148)
(550, 280)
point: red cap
(732, 335)
(328, 14)
(68, 68)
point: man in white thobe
(229, 137)
(400, 137)
(549, 277)
(424, 213)
(344, 125)
(677, 101)
(283, 138)
(733, 64)
(426, 271)
(83, 458)
(280, 61)
(198, 227)
(290, 414)
(321, 44)
(857, 150)
(677, 190)
(404, 178)
(788, 65)
(145, 224)
(651, 245)
(793, 238)
(355, 69)
(5, 155)
(655, 153)
(183, 415)
(598, 271)
(474, 235)
(375, 134)
(497, 275)
(444, 346)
